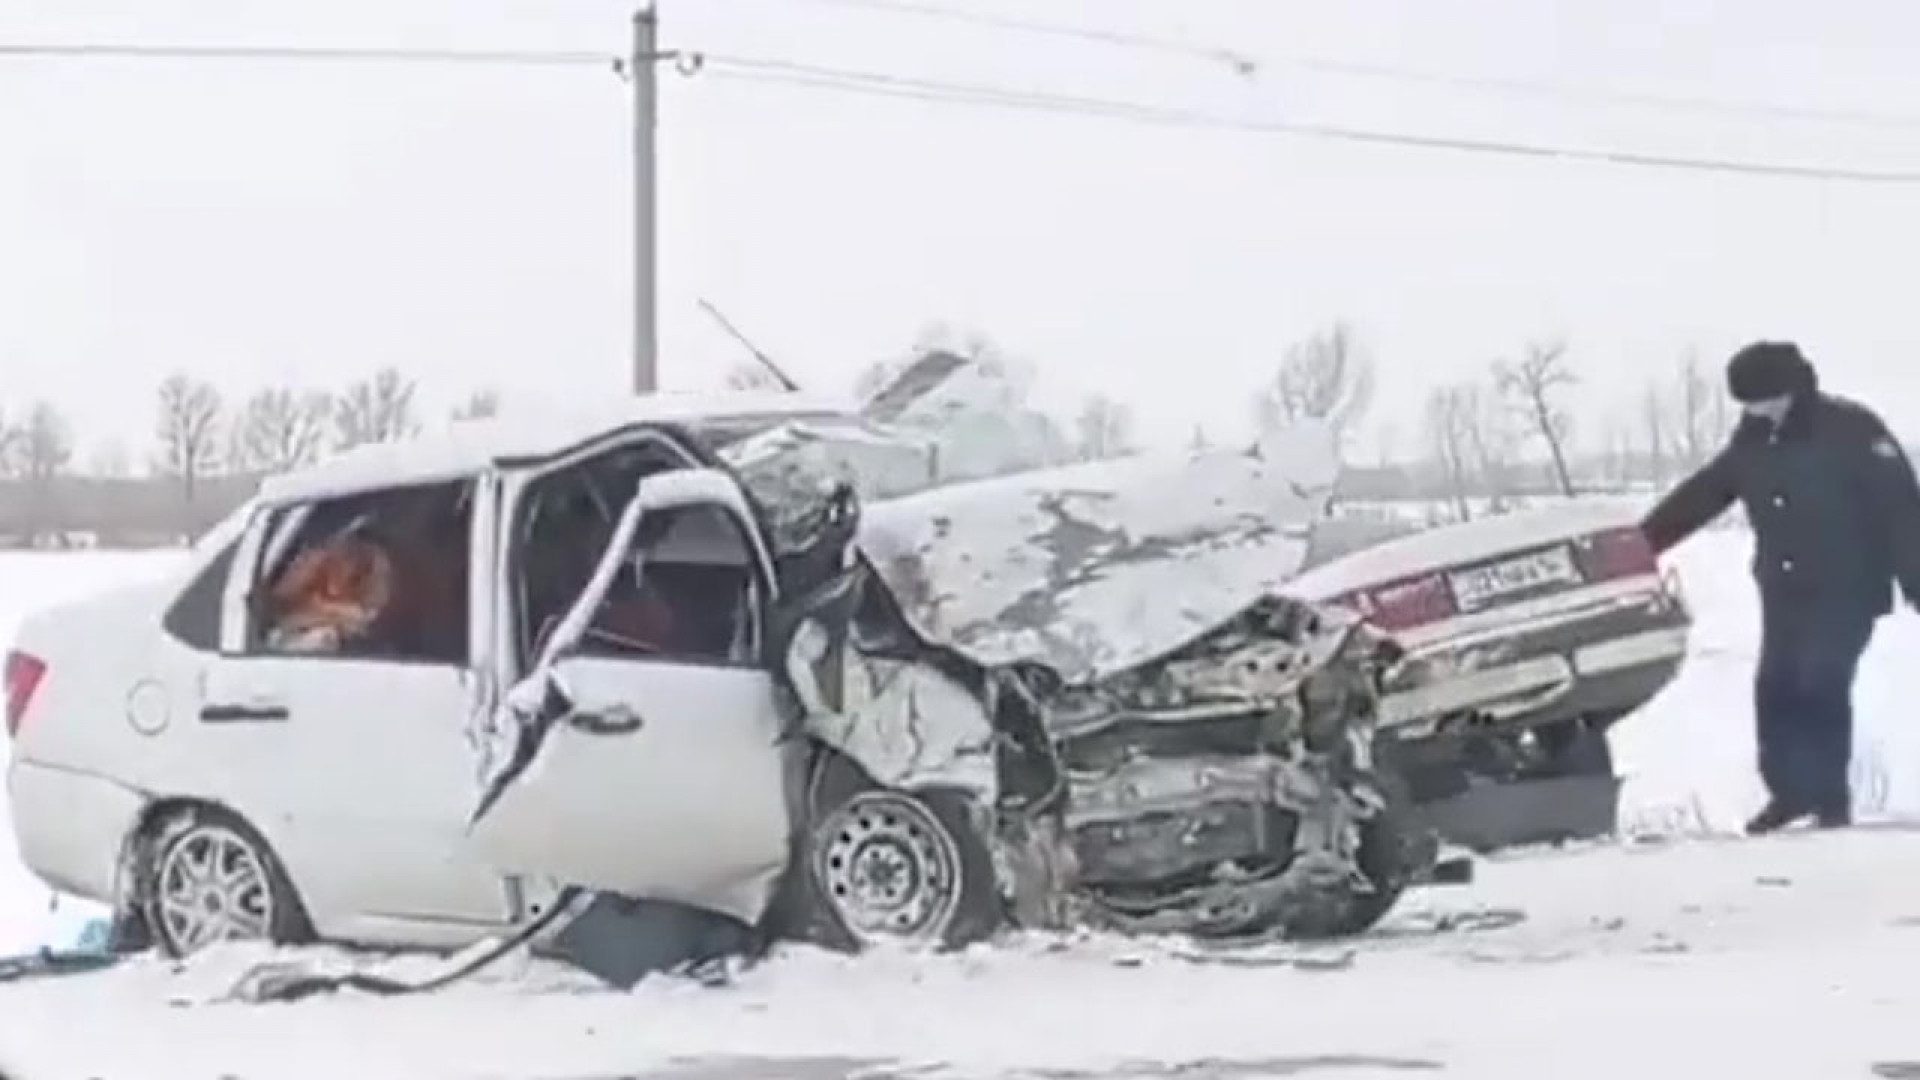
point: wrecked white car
(414, 695)
(1530, 635)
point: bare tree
(1693, 411)
(1386, 445)
(45, 453)
(1491, 441)
(188, 431)
(1473, 445)
(1654, 423)
(46, 443)
(480, 405)
(1103, 429)
(1710, 407)
(1447, 424)
(1325, 377)
(1725, 416)
(1616, 461)
(12, 435)
(110, 460)
(1532, 384)
(376, 409)
(279, 429)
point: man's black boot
(1834, 818)
(1772, 818)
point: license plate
(1483, 586)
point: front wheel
(1396, 846)
(896, 866)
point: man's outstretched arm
(1690, 506)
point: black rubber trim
(245, 714)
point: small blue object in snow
(95, 937)
(91, 950)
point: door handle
(244, 714)
(614, 720)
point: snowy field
(1682, 954)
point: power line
(1605, 96)
(484, 57)
(1252, 64)
(1240, 62)
(885, 84)
(1243, 63)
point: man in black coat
(1835, 512)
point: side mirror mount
(540, 698)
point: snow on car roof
(471, 447)
(1449, 545)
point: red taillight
(1403, 605)
(1616, 553)
(23, 677)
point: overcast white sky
(266, 223)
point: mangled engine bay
(1223, 788)
(1229, 789)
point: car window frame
(515, 526)
(761, 589)
(266, 537)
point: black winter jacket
(1832, 500)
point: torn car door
(651, 776)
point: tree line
(199, 436)
(1506, 434)
(1485, 435)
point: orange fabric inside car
(340, 586)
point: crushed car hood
(1095, 568)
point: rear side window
(384, 575)
(194, 617)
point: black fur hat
(1769, 369)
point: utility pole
(646, 248)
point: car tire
(879, 866)
(206, 876)
(1395, 847)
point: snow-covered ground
(1690, 755)
(1692, 956)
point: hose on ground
(297, 987)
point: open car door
(639, 769)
